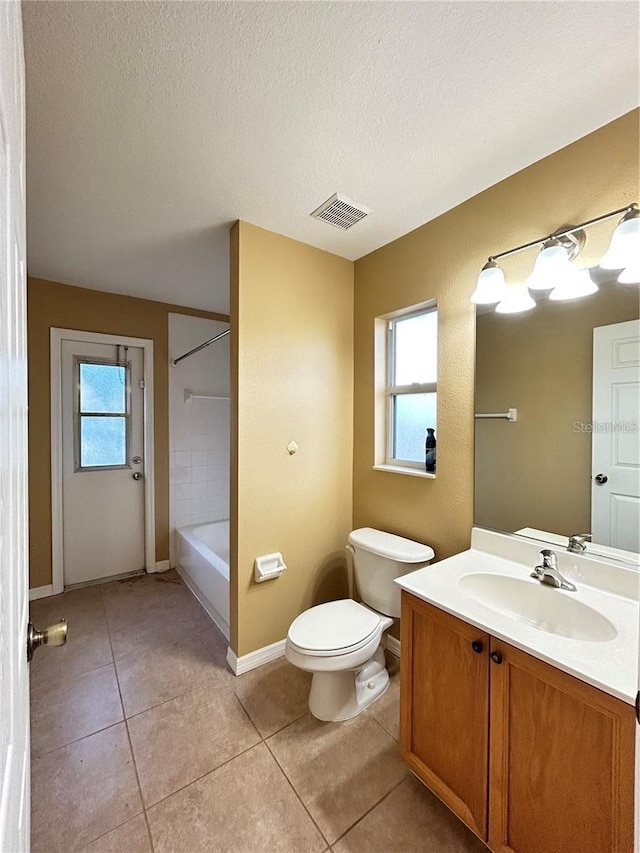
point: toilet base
(338, 696)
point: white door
(615, 498)
(102, 460)
(14, 676)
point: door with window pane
(103, 465)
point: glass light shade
(491, 285)
(624, 250)
(550, 268)
(576, 283)
(630, 275)
(516, 300)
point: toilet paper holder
(268, 566)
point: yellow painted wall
(292, 379)
(442, 260)
(51, 304)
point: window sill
(400, 469)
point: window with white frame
(411, 389)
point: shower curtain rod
(202, 346)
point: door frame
(57, 524)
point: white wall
(199, 431)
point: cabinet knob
(477, 646)
(496, 657)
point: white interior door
(615, 499)
(14, 677)
(102, 460)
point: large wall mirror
(570, 463)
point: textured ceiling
(152, 126)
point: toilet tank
(379, 558)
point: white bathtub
(203, 563)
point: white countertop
(611, 666)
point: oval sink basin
(540, 606)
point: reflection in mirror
(570, 464)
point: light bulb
(630, 275)
(624, 250)
(550, 268)
(516, 300)
(577, 283)
(491, 285)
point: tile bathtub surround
(160, 749)
(200, 466)
(199, 430)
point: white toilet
(340, 642)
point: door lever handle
(54, 635)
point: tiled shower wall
(199, 430)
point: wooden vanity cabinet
(532, 759)
(444, 708)
(561, 761)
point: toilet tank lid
(391, 546)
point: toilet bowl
(340, 642)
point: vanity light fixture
(553, 270)
(577, 283)
(624, 250)
(630, 275)
(553, 264)
(491, 286)
(550, 265)
(517, 299)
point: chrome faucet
(577, 542)
(548, 573)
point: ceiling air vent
(341, 211)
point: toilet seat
(336, 628)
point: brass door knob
(54, 635)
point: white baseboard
(40, 592)
(393, 646)
(244, 663)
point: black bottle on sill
(430, 451)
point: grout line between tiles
(247, 715)
(290, 723)
(300, 800)
(54, 680)
(36, 683)
(93, 840)
(384, 729)
(368, 811)
(78, 739)
(271, 734)
(203, 776)
(126, 725)
(72, 676)
(180, 696)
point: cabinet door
(444, 708)
(561, 761)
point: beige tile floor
(143, 740)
